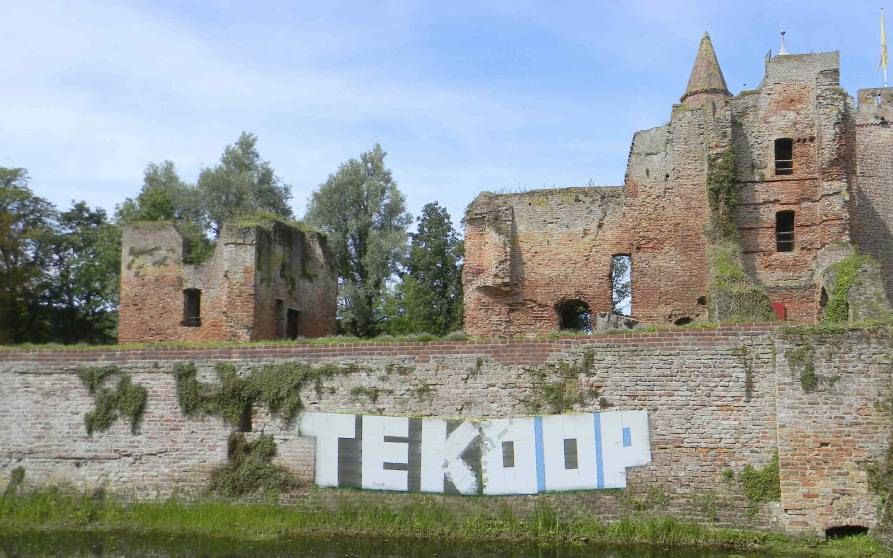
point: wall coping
(520, 350)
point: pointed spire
(706, 77)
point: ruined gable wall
(872, 202)
(528, 252)
(154, 276)
(799, 99)
(293, 267)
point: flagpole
(883, 62)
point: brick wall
(717, 400)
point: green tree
(364, 215)
(163, 197)
(166, 197)
(431, 290)
(25, 228)
(83, 270)
(242, 184)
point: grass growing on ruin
(53, 509)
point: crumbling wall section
(872, 201)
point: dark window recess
(291, 323)
(574, 315)
(784, 156)
(508, 454)
(784, 231)
(192, 307)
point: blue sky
(464, 96)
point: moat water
(87, 545)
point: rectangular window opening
(192, 307)
(621, 284)
(784, 156)
(784, 231)
(291, 323)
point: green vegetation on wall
(563, 393)
(762, 485)
(277, 385)
(733, 294)
(880, 471)
(127, 399)
(250, 468)
(846, 273)
(16, 479)
(722, 195)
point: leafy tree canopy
(431, 291)
(364, 215)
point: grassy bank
(53, 510)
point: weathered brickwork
(558, 244)
(717, 400)
(257, 274)
(872, 207)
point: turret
(706, 81)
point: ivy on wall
(126, 399)
(846, 274)
(249, 468)
(733, 294)
(278, 386)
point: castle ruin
(265, 280)
(814, 174)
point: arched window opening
(784, 231)
(784, 156)
(574, 315)
(842, 531)
(621, 284)
(823, 298)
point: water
(143, 546)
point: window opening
(784, 156)
(784, 231)
(574, 315)
(192, 307)
(291, 325)
(621, 284)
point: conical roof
(706, 77)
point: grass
(51, 510)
